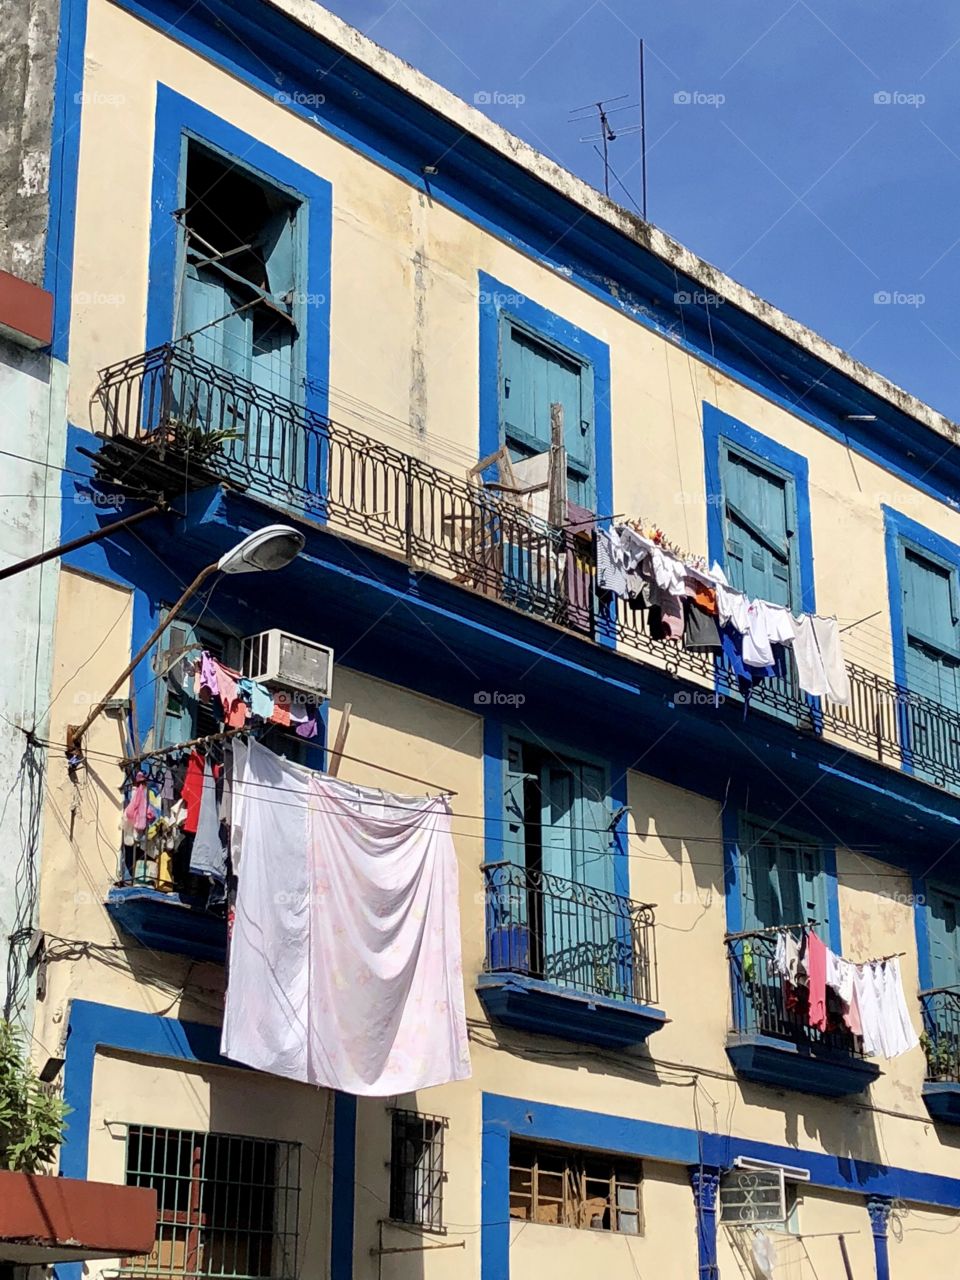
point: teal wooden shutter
(177, 709)
(759, 525)
(943, 916)
(514, 831)
(592, 841)
(932, 628)
(224, 339)
(535, 376)
(785, 881)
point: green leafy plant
(942, 1057)
(32, 1119)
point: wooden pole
(341, 741)
(558, 469)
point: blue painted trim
(719, 427)
(497, 300)
(64, 167)
(783, 1064)
(493, 766)
(646, 1139)
(544, 1008)
(921, 927)
(396, 133)
(899, 529)
(344, 1186)
(942, 1100)
(92, 1026)
(177, 118)
(733, 878)
(617, 790)
(834, 940)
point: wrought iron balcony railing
(941, 1038)
(763, 1004)
(192, 423)
(571, 935)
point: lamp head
(263, 551)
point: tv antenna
(603, 110)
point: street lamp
(260, 552)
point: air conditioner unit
(279, 659)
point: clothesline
(209, 738)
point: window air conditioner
(289, 662)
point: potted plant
(942, 1057)
(32, 1119)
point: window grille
(416, 1169)
(753, 1196)
(586, 1190)
(226, 1205)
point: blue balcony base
(784, 1064)
(942, 1100)
(165, 922)
(530, 1004)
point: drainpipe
(705, 1182)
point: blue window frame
(530, 357)
(758, 512)
(295, 243)
(923, 572)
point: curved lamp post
(260, 552)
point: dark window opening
(567, 1188)
(227, 1206)
(416, 1169)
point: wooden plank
(341, 741)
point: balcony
(941, 1043)
(771, 1042)
(171, 420)
(564, 959)
(166, 909)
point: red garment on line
(817, 981)
(192, 789)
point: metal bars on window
(416, 1169)
(226, 1205)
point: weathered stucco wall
(28, 60)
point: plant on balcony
(942, 1057)
(32, 1119)
(200, 442)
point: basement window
(416, 1169)
(567, 1188)
(226, 1205)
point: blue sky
(812, 151)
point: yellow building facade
(270, 232)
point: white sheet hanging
(345, 966)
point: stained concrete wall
(28, 59)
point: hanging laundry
(281, 709)
(816, 959)
(786, 956)
(821, 670)
(701, 630)
(840, 980)
(352, 977)
(767, 625)
(530, 472)
(261, 700)
(139, 813)
(887, 1029)
(308, 721)
(611, 562)
(192, 790)
(207, 682)
(666, 619)
(208, 857)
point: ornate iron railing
(197, 422)
(569, 934)
(941, 1038)
(764, 1004)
